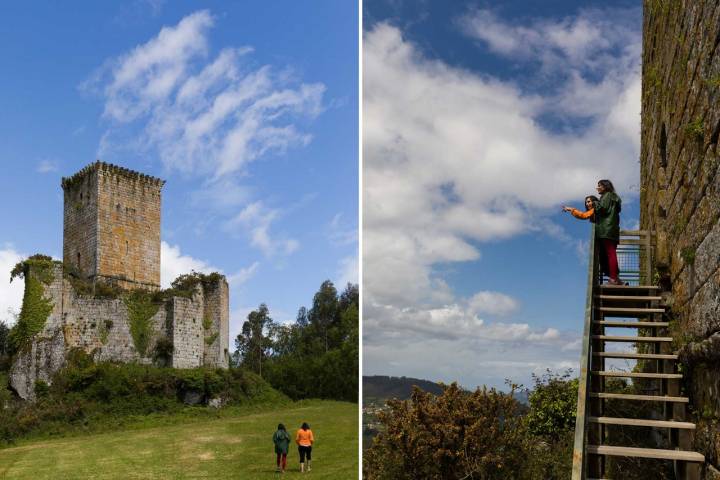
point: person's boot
(309, 465)
(302, 467)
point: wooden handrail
(581, 419)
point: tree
(4, 349)
(4, 339)
(302, 317)
(315, 357)
(322, 316)
(553, 405)
(252, 343)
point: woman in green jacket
(281, 439)
(607, 228)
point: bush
(553, 405)
(163, 352)
(455, 435)
(103, 396)
(42, 389)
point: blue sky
(249, 113)
(480, 120)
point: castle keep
(680, 192)
(111, 225)
(105, 298)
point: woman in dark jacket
(607, 228)
(281, 439)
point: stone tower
(680, 193)
(111, 225)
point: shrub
(163, 352)
(453, 435)
(102, 396)
(42, 389)
(553, 405)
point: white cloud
(341, 233)
(590, 40)
(256, 218)
(173, 264)
(347, 272)
(202, 115)
(47, 166)
(454, 158)
(243, 275)
(494, 303)
(10, 293)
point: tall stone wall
(102, 327)
(112, 221)
(187, 331)
(217, 315)
(129, 227)
(680, 191)
(80, 233)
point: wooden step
(628, 312)
(626, 288)
(620, 324)
(636, 374)
(629, 298)
(656, 453)
(645, 398)
(637, 356)
(612, 338)
(639, 422)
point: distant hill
(384, 387)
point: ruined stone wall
(680, 191)
(102, 327)
(187, 331)
(80, 224)
(217, 315)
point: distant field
(235, 446)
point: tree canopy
(316, 356)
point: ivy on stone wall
(35, 311)
(211, 339)
(42, 267)
(141, 309)
(104, 330)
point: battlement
(109, 169)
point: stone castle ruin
(680, 193)
(105, 296)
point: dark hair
(305, 426)
(593, 198)
(281, 426)
(607, 185)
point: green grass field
(237, 445)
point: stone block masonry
(112, 225)
(680, 190)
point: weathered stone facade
(111, 225)
(680, 190)
(112, 234)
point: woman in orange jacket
(589, 212)
(304, 438)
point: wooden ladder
(633, 308)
